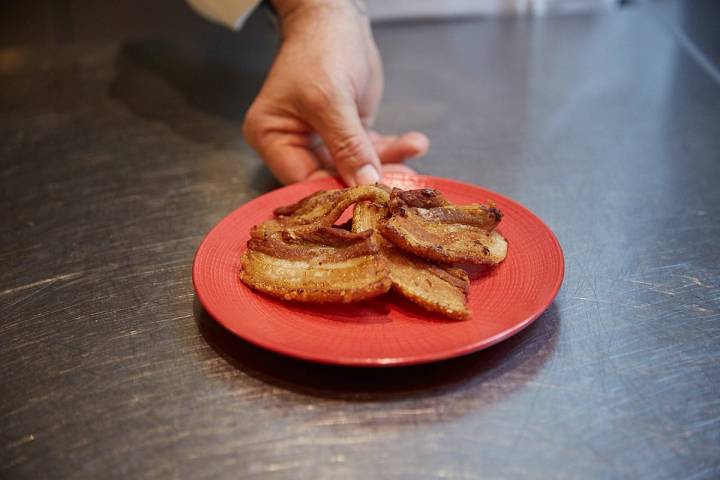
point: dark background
(120, 148)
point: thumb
(348, 143)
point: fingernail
(367, 175)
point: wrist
(291, 10)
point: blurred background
(46, 21)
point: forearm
(289, 7)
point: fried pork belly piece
(440, 289)
(320, 209)
(323, 265)
(422, 222)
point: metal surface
(121, 148)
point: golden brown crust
(394, 242)
(325, 265)
(320, 209)
(448, 233)
(325, 244)
(421, 198)
(427, 287)
(439, 289)
(300, 256)
(447, 244)
(352, 280)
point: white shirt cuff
(231, 13)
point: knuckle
(320, 96)
(252, 125)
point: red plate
(387, 330)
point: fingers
(322, 173)
(396, 149)
(284, 143)
(294, 154)
(369, 101)
(287, 155)
(337, 121)
(290, 163)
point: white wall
(396, 9)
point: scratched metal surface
(121, 150)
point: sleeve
(231, 13)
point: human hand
(315, 110)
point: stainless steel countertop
(121, 148)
